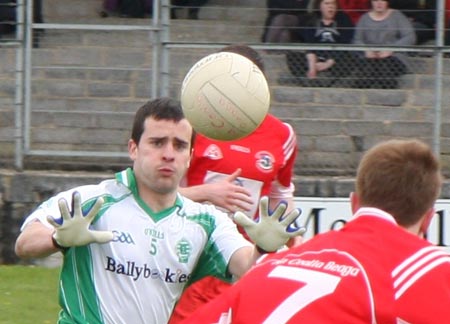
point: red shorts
(195, 296)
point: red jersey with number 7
(370, 271)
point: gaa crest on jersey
(184, 250)
(264, 161)
(213, 152)
(122, 237)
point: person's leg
(37, 12)
(7, 15)
(424, 33)
(196, 295)
(37, 18)
(280, 29)
(391, 68)
(297, 63)
(173, 9)
(367, 73)
(194, 7)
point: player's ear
(132, 147)
(354, 202)
(427, 220)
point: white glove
(271, 231)
(73, 228)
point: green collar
(128, 179)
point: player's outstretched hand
(73, 227)
(272, 230)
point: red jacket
(354, 8)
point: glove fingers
(241, 219)
(95, 209)
(102, 236)
(264, 207)
(64, 209)
(297, 232)
(290, 217)
(52, 221)
(76, 204)
(279, 211)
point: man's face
(162, 155)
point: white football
(225, 96)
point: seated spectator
(7, 17)
(284, 16)
(127, 8)
(447, 23)
(329, 25)
(422, 14)
(354, 8)
(192, 5)
(382, 25)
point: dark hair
(370, 1)
(247, 52)
(316, 7)
(163, 108)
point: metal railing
(162, 78)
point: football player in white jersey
(131, 244)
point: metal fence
(69, 86)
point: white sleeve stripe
(419, 263)
(420, 274)
(412, 259)
(225, 318)
(290, 144)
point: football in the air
(225, 96)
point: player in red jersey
(234, 175)
(376, 269)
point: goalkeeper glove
(73, 228)
(272, 230)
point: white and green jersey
(139, 275)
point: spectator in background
(284, 17)
(193, 7)
(447, 23)
(422, 14)
(354, 8)
(382, 25)
(234, 175)
(328, 25)
(7, 17)
(376, 269)
(127, 8)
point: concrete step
(197, 31)
(78, 11)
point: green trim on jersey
(79, 287)
(127, 178)
(78, 277)
(211, 261)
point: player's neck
(157, 202)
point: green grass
(28, 295)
